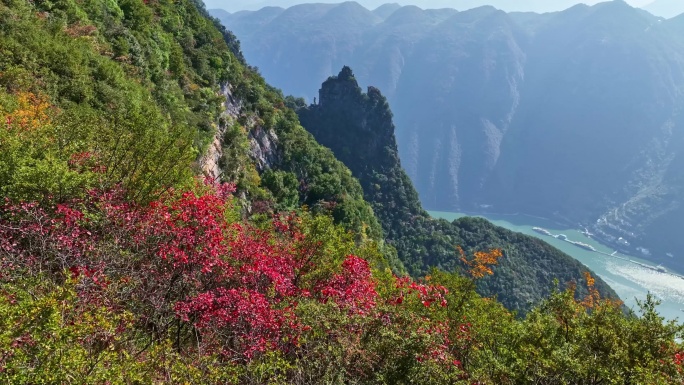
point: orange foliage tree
(31, 112)
(480, 265)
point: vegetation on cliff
(134, 86)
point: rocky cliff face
(455, 102)
(358, 128)
(210, 161)
(263, 142)
(263, 148)
(365, 119)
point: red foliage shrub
(179, 258)
(353, 288)
(212, 286)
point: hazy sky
(507, 5)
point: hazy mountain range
(575, 115)
(664, 8)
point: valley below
(626, 274)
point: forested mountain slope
(573, 116)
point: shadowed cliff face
(368, 139)
(358, 128)
(455, 102)
(574, 115)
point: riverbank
(614, 254)
(626, 274)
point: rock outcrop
(358, 128)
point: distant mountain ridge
(492, 108)
(664, 8)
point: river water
(629, 280)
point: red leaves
(265, 261)
(678, 361)
(353, 288)
(427, 294)
(192, 229)
(178, 256)
(247, 316)
(234, 289)
(86, 161)
(22, 340)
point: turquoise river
(630, 280)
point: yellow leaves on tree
(31, 113)
(593, 298)
(590, 280)
(481, 263)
